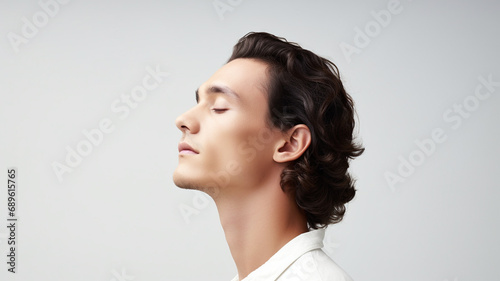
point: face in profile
(226, 146)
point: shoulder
(314, 265)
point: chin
(181, 180)
(187, 181)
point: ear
(296, 140)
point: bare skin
(229, 151)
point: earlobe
(295, 142)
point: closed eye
(219, 110)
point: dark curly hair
(306, 89)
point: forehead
(246, 77)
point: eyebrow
(218, 89)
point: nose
(187, 122)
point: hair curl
(306, 89)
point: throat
(257, 227)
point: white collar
(288, 254)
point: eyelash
(219, 110)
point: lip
(185, 148)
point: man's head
(274, 113)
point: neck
(258, 224)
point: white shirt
(300, 259)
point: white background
(117, 215)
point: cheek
(243, 152)
(222, 143)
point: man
(269, 140)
